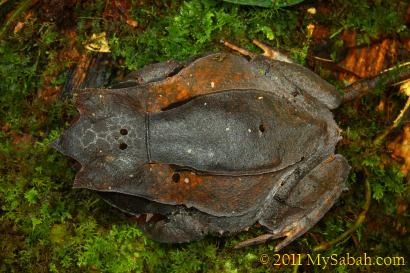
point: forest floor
(47, 48)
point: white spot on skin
(212, 84)
(189, 151)
(205, 103)
(101, 96)
(227, 129)
(93, 114)
(109, 187)
(131, 175)
(100, 151)
(186, 180)
(259, 98)
(249, 130)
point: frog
(212, 146)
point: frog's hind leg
(268, 52)
(296, 210)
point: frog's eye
(123, 146)
(123, 131)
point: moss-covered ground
(46, 226)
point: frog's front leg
(296, 210)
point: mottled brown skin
(212, 147)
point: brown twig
(238, 49)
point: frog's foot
(305, 204)
(268, 52)
(291, 232)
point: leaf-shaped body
(210, 149)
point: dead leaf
(405, 88)
(402, 206)
(98, 43)
(19, 26)
(406, 44)
(401, 145)
(132, 23)
(70, 53)
(399, 227)
(400, 148)
(349, 38)
(21, 139)
(368, 61)
(6, 127)
(310, 29)
(49, 93)
(320, 33)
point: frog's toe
(255, 241)
(291, 232)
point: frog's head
(108, 138)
